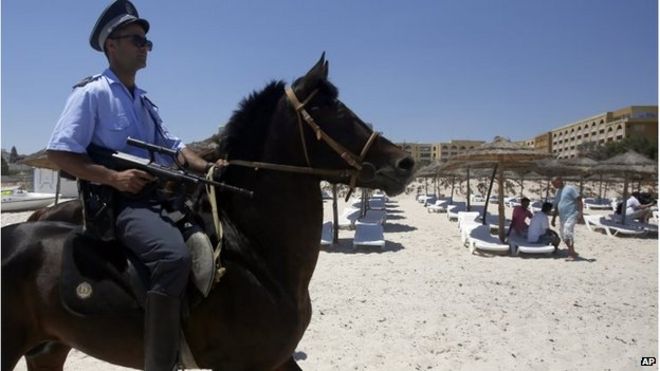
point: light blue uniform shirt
(104, 112)
(566, 201)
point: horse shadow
(345, 246)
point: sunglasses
(137, 40)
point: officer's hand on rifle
(131, 181)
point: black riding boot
(162, 328)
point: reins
(355, 161)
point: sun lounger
(440, 206)
(480, 238)
(612, 228)
(452, 210)
(616, 220)
(426, 199)
(511, 201)
(376, 203)
(466, 223)
(597, 204)
(326, 234)
(381, 195)
(374, 217)
(521, 245)
(367, 234)
(348, 217)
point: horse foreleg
(51, 357)
(289, 365)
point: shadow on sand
(397, 227)
(345, 246)
(561, 254)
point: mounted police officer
(104, 110)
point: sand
(426, 303)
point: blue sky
(420, 71)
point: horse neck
(282, 221)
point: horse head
(332, 136)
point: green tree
(13, 155)
(639, 144)
(5, 167)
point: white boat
(18, 199)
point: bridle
(357, 164)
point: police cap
(117, 14)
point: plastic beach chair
(440, 206)
(612, 228)
(521, 245)
(374, 217)
(368, 234)
(327, 234)
(452, 210)
(347, 219)
(597, 204)
(481, 239)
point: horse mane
(245, 133)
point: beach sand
(426, 303)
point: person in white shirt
(635, 209)
(539, 228)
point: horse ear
(311, 79)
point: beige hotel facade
(600, 129)
(563, 142)
(425, 153)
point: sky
(419, 71)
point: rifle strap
(210, 191)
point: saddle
(105, 278)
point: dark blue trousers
(146, 229)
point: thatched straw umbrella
(501, 154)
(629, 164)
(584, 166)
(578, 168)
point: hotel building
(425, 153)
(601, 129)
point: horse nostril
(406, 164)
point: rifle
(123, 161)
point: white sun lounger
(326, 234)
(521, 245)
(440, 206)
(374, 217)
(376, 204)
(480, 239)
(466, 223)
(612, 228)
(595, 204)
(453, 210)
(367, 234)
(347, 219)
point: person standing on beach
(568, 205)
(104, 110)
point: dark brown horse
(256, 315)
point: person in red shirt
(519, 219)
